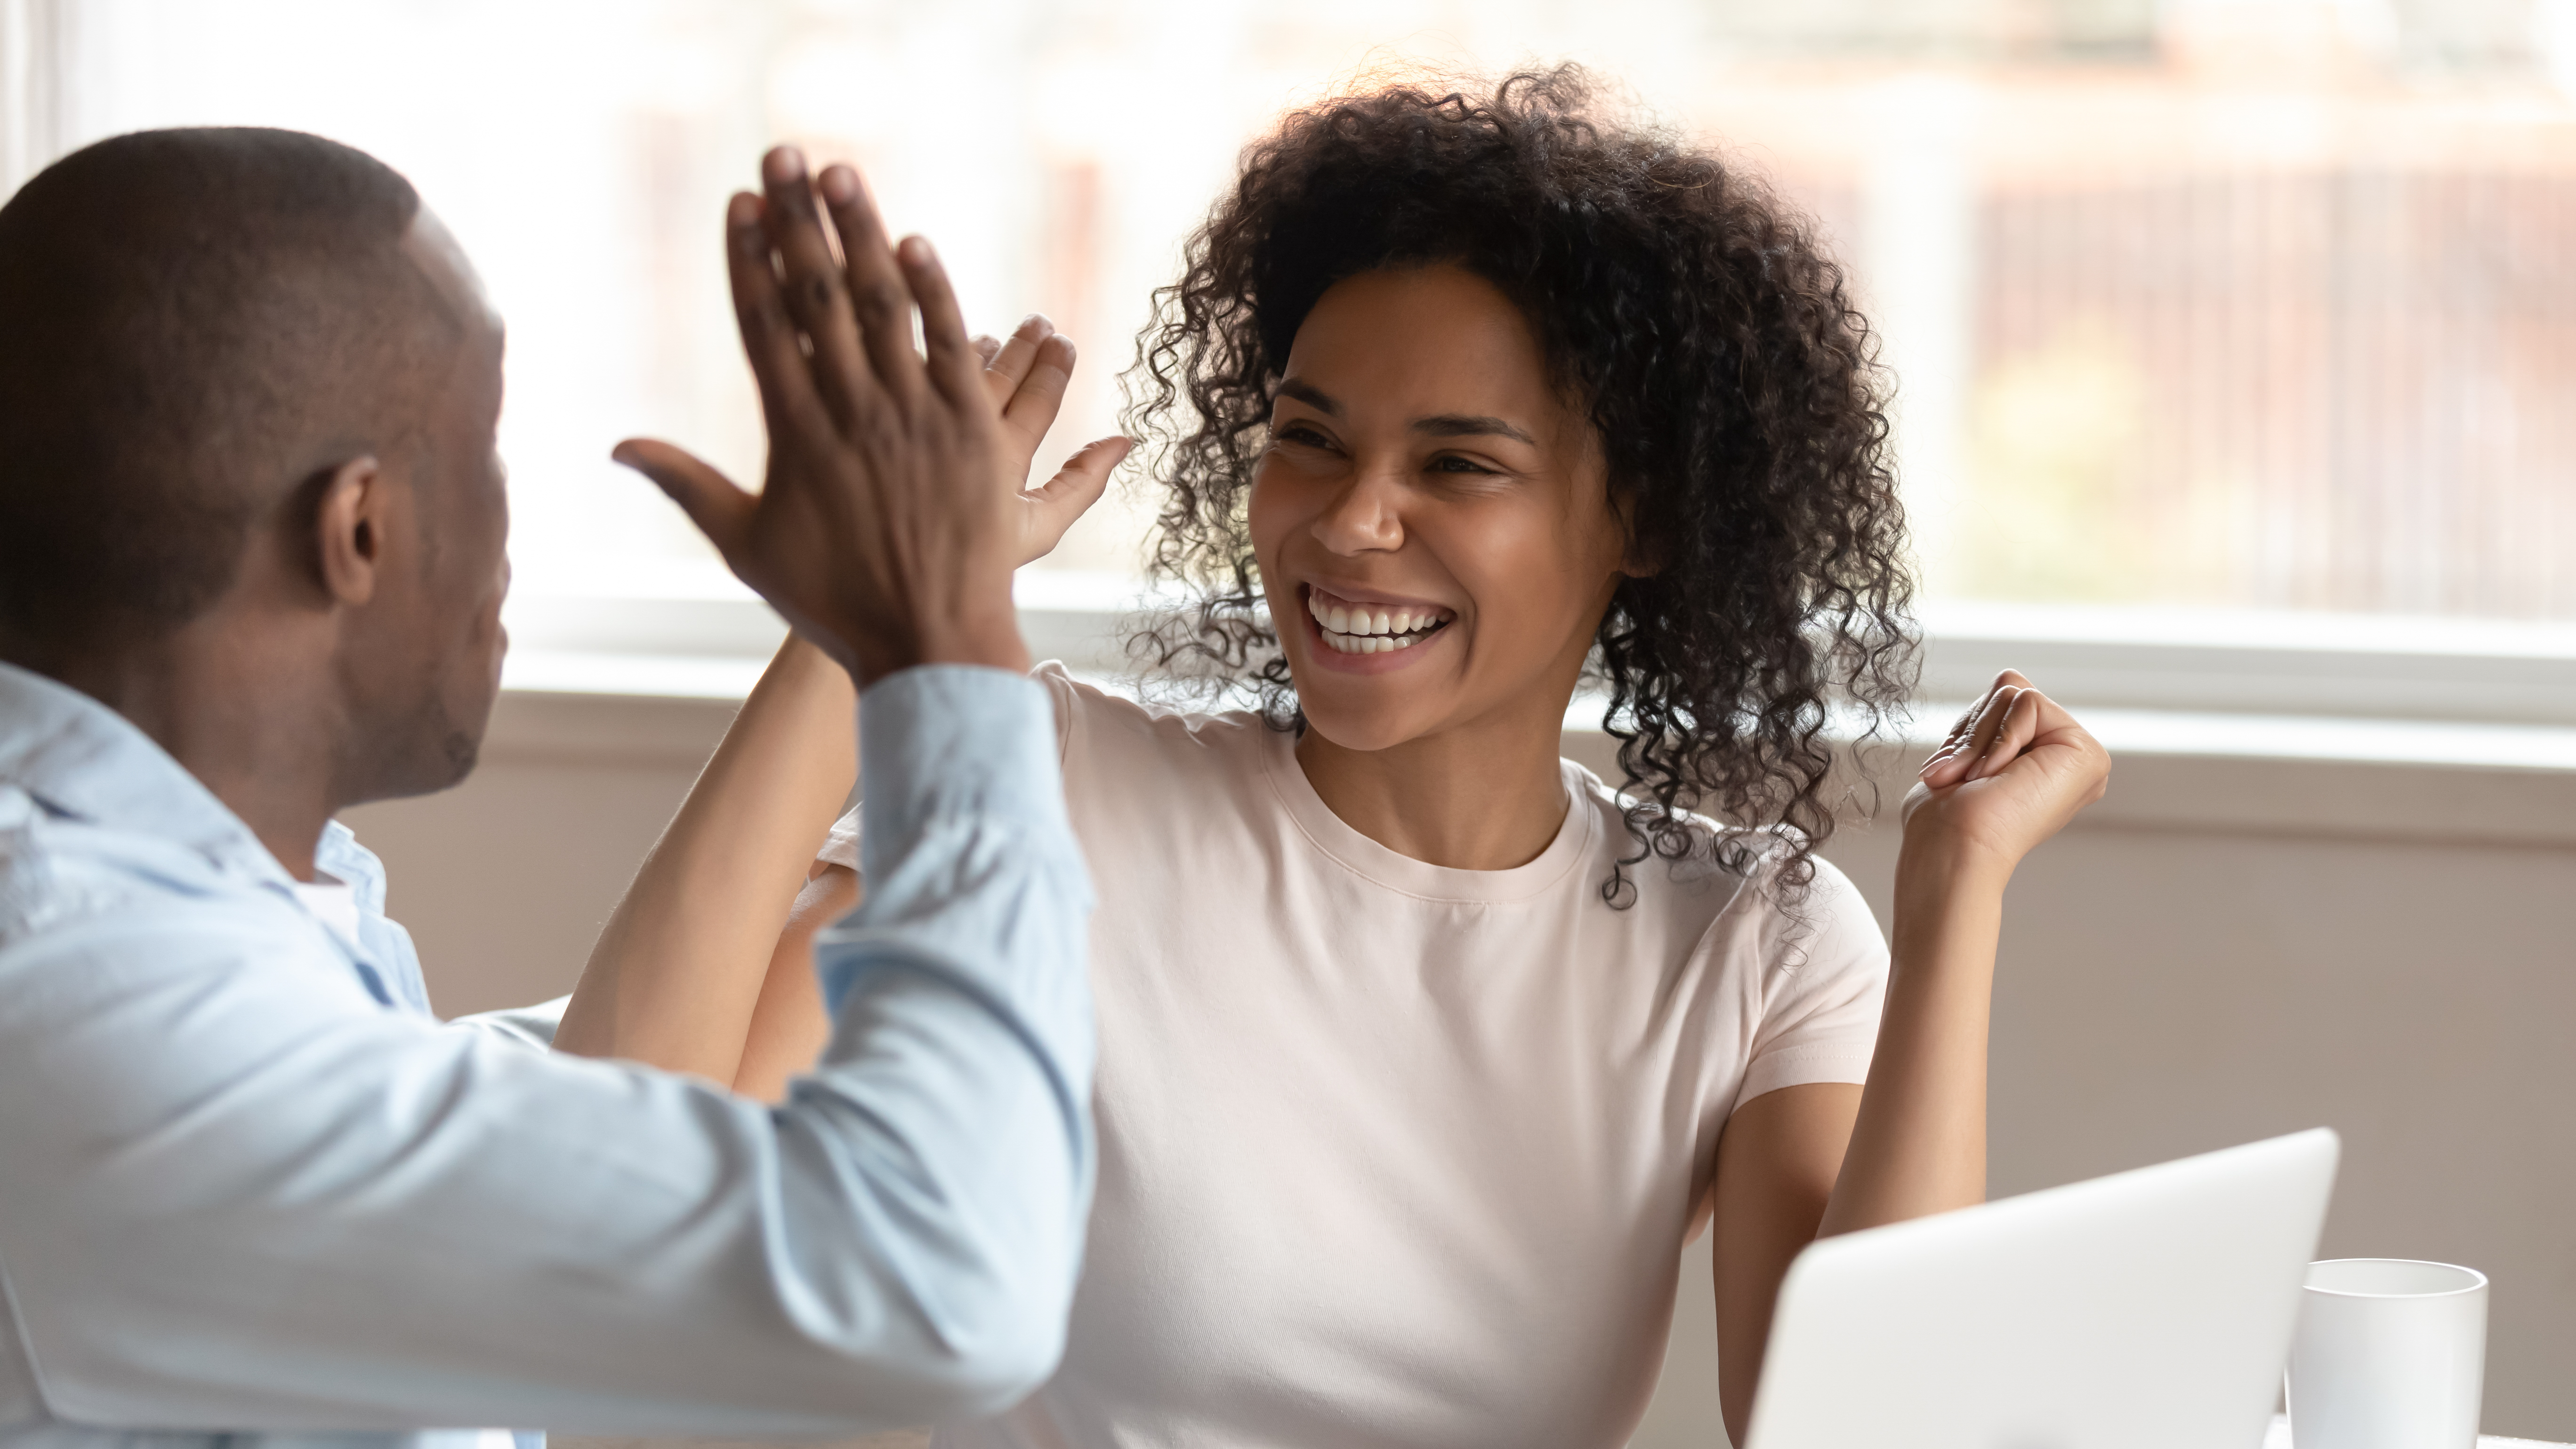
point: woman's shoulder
(1759, 884)
(1105, 728)
(1125, 759)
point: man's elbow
(987, 1346)
(999, 1309)
(1006, 1360)
(967, 1338)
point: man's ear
(349, 530)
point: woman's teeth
(1359, 629)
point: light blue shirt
(248, 1184)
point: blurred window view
(2218, 304)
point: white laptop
(2149, 1309)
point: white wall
(2224, 949)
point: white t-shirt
(1391, 1153)
(333, 903)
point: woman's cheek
(1282, 502)
(1261, 508)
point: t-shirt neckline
(1396, 871)
(334, 903)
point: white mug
(2390, 1354)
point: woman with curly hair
(1423, 1051)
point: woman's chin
(1362, 712)
(1360, 731)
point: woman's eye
(1450, 463)
(1301, 434)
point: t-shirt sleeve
(531, 1026)
(1824, 978)
(841, 845)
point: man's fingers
(951, 361)
(778, 365)
(816, 293)
(949, 358)
(720, 510)
(878, 290)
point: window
(2218, 323)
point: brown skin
(860, 431)
(1419, 455)
(358, 652)
(1420, 458)
(892, 514)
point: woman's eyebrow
(1311, 395)
(1458, 425)
(1445, 425)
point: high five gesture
(886, 531)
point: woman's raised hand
(885, 532)
(2012, 772)
(1025, 377)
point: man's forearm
(615, 1250)
(961, 995)
(967, 852)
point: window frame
(2353, 688)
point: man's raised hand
(890, 522)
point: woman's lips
(1351, 627)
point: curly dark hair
(1712, 342)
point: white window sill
(2256, 686)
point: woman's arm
(1776, 1164)
(681, 962)
(1810, 1161)
(789, 1025)
(693, 955)
(2014, 771)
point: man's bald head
(196, 327)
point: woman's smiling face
(1432, 519)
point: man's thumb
(720, 510)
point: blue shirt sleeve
(236, 1191)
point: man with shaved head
(252, 531)
(249, 379)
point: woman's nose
(1365, 516)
